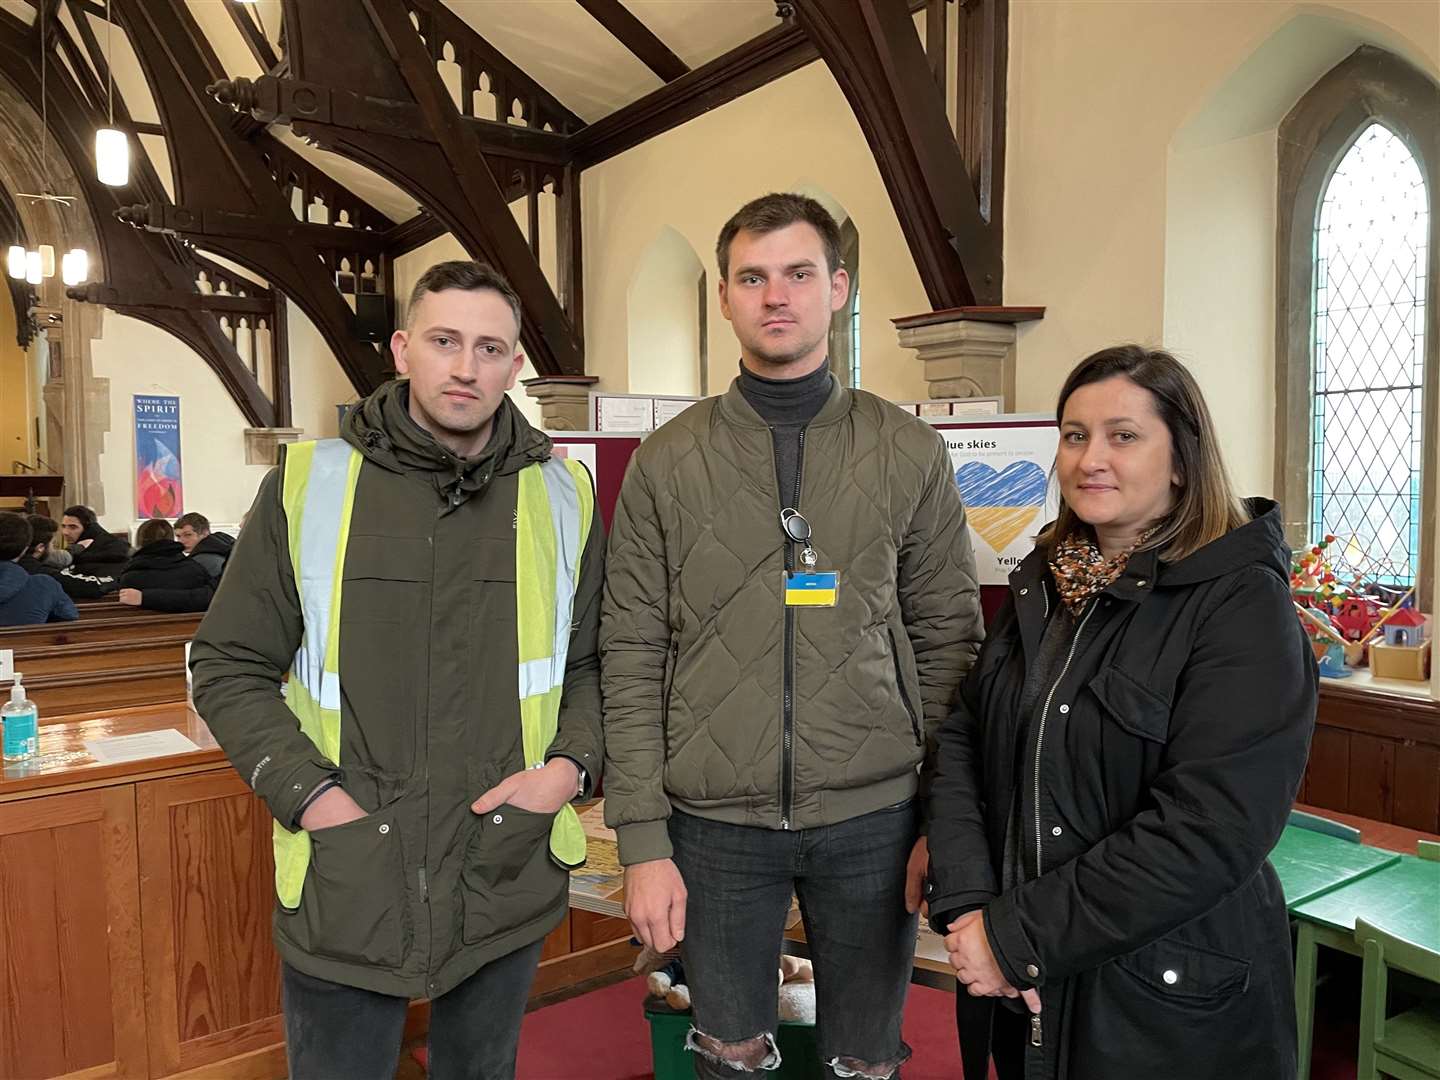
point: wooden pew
(136, 625)
(118, 662)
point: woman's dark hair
(153, 530)
(82, 514)
(1205, 505)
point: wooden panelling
(1417, 787)
(1372, 772)
(1329, 769)
(1376, 755)
(70, 938)
(588, 929)
(558, 943)
(212, 975)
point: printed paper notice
(1003, 475)
(143, 744)
(614, 413)
(668, 408)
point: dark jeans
(850, 879)
(333, 1030)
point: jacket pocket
(904, 693)
(353, 904)
(508, 877)
(1135, 708)
(1182, 973)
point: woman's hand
(974, 963)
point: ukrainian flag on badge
(811, 590)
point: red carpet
(603, 1036)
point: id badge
(811, 589)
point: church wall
(17, 397)
(139, 358)
(796, 133)
(1125, 233)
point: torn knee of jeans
(843, 1066)
(747, 1055)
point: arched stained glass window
(1368, 359)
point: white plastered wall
(1140, 198)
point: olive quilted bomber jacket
(698, 652)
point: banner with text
(1003, 469)
(159, 489)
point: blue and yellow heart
(1001, 504)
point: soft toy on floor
(797, 990)
(668, 982)
(665, 980)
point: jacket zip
(787, 753)
(1040, 737)
(904, 694)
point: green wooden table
(1311, 864)
(1403, 897)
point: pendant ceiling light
(34, 266)
(112, 147)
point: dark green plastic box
(799, 1058)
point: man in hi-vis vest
(427, 587)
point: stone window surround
(1371, 85)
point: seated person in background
(210, 550)
(159, 577)
(45, 556)
(26, 599)
(98, 556)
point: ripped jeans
(850, 879)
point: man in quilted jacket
(789, 609)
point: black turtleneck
(787, 405)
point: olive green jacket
(430, 713)
(720, 703)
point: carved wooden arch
(1371, 85)
(149, 277)
(229, 202)
(381, 102)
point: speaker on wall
(371, 320)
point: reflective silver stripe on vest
(540, 676)
(319, 538)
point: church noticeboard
(159, 489)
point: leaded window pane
(1368, 362)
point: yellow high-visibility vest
(552, 524)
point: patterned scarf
(1080, 571)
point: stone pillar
(262, 444)
(564, 400)
(963, 357)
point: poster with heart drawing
(1002, 468)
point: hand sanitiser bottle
(21, 718)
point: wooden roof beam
(642, 42)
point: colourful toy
(1406, 627)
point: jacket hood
(156, 556)
(12, 580)
(381, 428)
(217, 543)
(103, 540)
(1259, 542)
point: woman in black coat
(160, 577)
(1122, 759)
